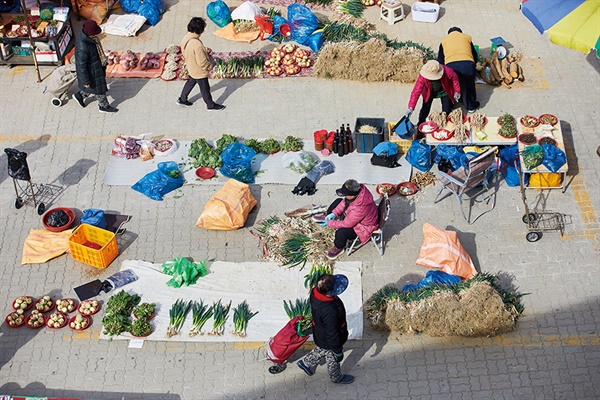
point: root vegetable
(520, 77)
(514, 70)
(505, 73)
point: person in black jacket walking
(330, 330)
(90, 63)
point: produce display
(407, 188)
(44, 304)
(200, 314)
(23, 303)
(121, 303)
(367, 129)
(115, 324)
(496, 71)
(460, 130)
(423, 179)
(442, 134)
(301, 308)
(310, 279)
(127, 60)
(205, 155)
(289, 59)
(439, 118)
(239, 67)
(354, 8)
(527, 138)
(171, 62)
(150, 61)
(15, 319)
(220, 314)
(56, 320)
(369, 3)
(244, 25)
(241, 316)
(385, 188)
(66, 305)
(508, 127)
(79, 322)
(89, 307)
(140, 328)
(547, 140)
(144, 311)
(163, 145)
(270, 146)
(548, 119)
(177, 315)
(529, 121)
(35, 320)
(253, 144)
(477, 121)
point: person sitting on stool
(353, 215)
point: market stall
(488, 135)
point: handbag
(404, 128)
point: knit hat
(91, 28)
(432, 70)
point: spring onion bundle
(241, 316)
(310, 280)
(177, 315)
(200, 314)
(220, 314)
(296, 250)
(300, 309)
(351, 7)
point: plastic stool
(389, 11)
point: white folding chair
(465, 179)
(383, 210)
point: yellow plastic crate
(403, 144)
(96, 258)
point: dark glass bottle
(350, 138)
(336, 140)
(346, 144)
(341, 149)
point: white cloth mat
(264, 285)
(123, 24)
(121, 171)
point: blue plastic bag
(434, 277)
(554, 158)
(315, 40)
(419, 156)
(278, 20)
(386, 147)
(218, 12)
(130, 6)
(508, 163)
(93, 216)
(404, 128)
(302, 22)
(158, 183)
(454, 154)
(237, 162)
(151, 10)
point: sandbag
(227, 209)
(442, 250)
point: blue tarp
(545, 13)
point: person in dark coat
(91, 62)
(330, 330)
(458, 53)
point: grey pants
(312, 360)
(102, 100)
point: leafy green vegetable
(122, 303)
(253, 144)
(144, 311)
(174, 173)
(270, 146)
(140, 328)
(225, 141)
(115, 324)
(292, 143)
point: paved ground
(554, 353)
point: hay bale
(478, 311)
(371, 61)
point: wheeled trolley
(539, 221)
(59, 82)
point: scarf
(100, 50)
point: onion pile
(128, 60)
(150, 61)
(88, 307)
(66, 305)
(36, 319)
(302, 59)
(56, 320)
(44, 304)
(15, 318)
(22, 302)
(289, 59)
(79, 322)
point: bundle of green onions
(220, 314)
(177, 315)
(200, 314)
(300, 309)
(310, 280)
(295, 250)
(241, 316)
(351, 7)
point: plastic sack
(218, 12)
(151, 10)
(302, 22)
(315, 40)
(299, 161)
(183, 271)
(227, 209)
(419, 156)
(278, 20)
(386, 148)
(17, 164)
(94, 216)
(385, 154)
(508, 162)
(454, 154)
(433, 277)
(237, 162)
(533, 156)
(58, 218)
(554, 158)
(404, 128)
(130, 6)
(247, 11)
(320, 170)
(160, 182)
(442, 250)
(122, 278)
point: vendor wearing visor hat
(353, 215)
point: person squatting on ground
(458, 53)
(199, 63)
(90, 64)
(435, 81)
(353, 215)
(330, 330)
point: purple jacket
(361, 214)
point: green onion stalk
(300, 309)
(200, 314)
(241, 316)
(177, 315)
(310, 280)
(220, 314)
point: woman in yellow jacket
(199, 63)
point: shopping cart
(59, 82)
(18, 170)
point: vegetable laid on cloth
(220, 314)
(241, 316)
(200, 314)
(292, 143)
(140, 328)
(115, 324)
(177, 315)
(144, 311)
(122, 303)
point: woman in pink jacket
(435, 81)
(353, 215)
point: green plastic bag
(183, 271)
(533, 156)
